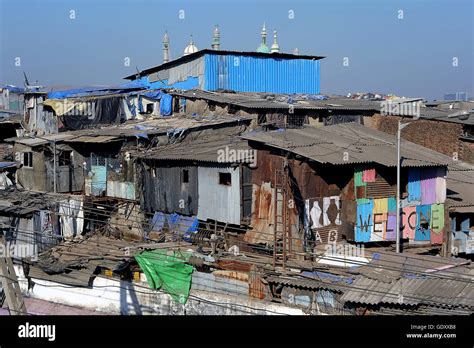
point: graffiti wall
(323, 219)
(422, 207)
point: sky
(416, 48)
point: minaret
(166, 46)
(216, 39)
(275, 48)
(263, 48)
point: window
(185, 176)
(225, 179)
(65, 158)
(150, 108)
(28, 159)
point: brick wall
(436, 135)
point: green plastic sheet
(167, 270)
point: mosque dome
(191, 48)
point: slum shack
(339, 182)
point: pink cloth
(368, 175)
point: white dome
(191, 48)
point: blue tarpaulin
(166, 105)
(158, 221)
(185, 225)
(13, 89)
(153, 94)
(5, 165)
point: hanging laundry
(71, 217)
(315, 215)
(326, 202)
(368, 175)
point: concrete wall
(121, 297)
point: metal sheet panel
(125, 190)
(329, 144)
(216, 201)
(261, 74)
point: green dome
(263, 48)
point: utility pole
(54, 167)
(399, 133)
(10, 285)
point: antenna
(27, 83)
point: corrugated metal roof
(281, 101)
(460, 183)
(305, 283)
(45, 139)
(348, 143)
(413, 279)
(92, 139)
(406, 291)
(205, 149)
(157, 126)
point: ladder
(282, 230)
(10, 285)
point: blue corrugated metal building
(213, 70)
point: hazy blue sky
(412, 56)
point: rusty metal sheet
(242, 276)
(257, 288)
(380, 189)
(234, 265)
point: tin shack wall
(261, 74)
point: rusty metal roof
(162, 125)
(281, 101)
(203, 149)
(348, 143)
